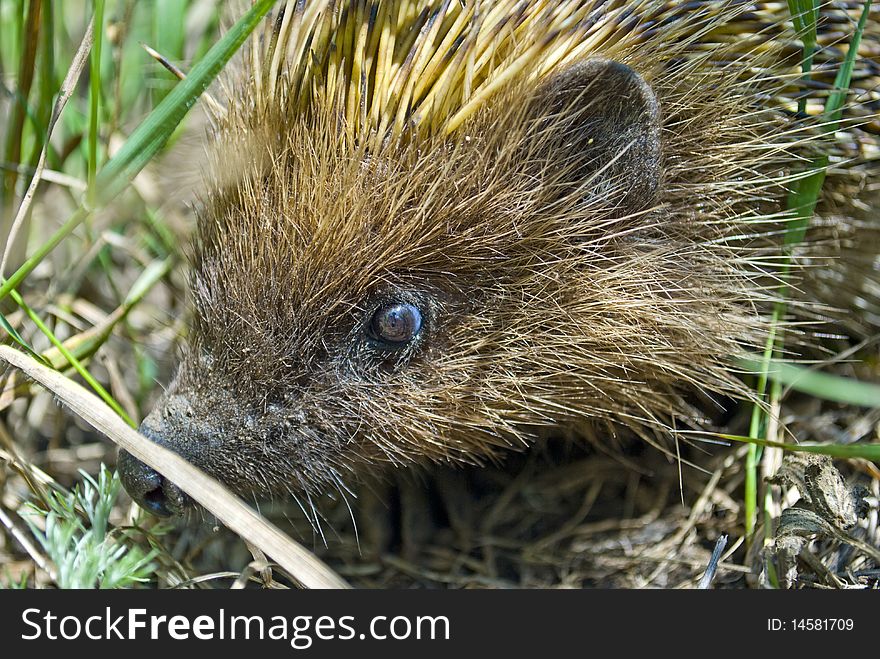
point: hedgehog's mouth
(150, 489)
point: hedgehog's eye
(396, 324)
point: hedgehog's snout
(146, 486)
(150, 489)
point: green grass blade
(839, 451)
(837, 99)
(73, 361)
(147, 279)
(6, 325)
(95, 97)
(149, 137)
(818, 384)
(28, 31)
(804, 17)
(36, 258)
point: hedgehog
(435, 231)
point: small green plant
(76, 534)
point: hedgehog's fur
(583, 197)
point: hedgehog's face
(408, 305)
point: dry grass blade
(64, 94)
(300, 563)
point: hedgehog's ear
(595, 128)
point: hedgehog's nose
(149, 488)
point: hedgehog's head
(363, 302)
